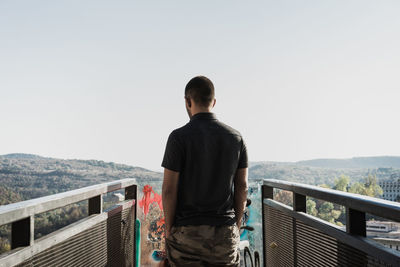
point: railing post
(299, 205)
(131, 192)
(355, 222)
(356, 225)
(266, 192)
(96, 205)
(22, 232)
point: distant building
(386, 233)
(117, 197)
(391, 189)
(383, 229)
(389, 243)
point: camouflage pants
(203, 245)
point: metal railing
(294, 238)
(104, 238)
(291, 236)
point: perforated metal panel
(299, 244)
(109, 243)
(278, 238)
(315, 248)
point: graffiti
(153, 227)
(158, 255)
(147, 200)
(157, 230)
(150, 214)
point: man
(205, 185)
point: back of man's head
(201, 90)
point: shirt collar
(204, 116)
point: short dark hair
(201, 90)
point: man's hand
(169, 198)
(240, 196)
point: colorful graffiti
(150, 214)
(147, 200)
(152, 227)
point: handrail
(379, 207)
(359, 242)
(21, 217)
(20, 210)
(356, 208)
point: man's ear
(189, 102)
(214, 102)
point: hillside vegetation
(324, 171)
(355, 163)
(25, 176)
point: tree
(4, 245)
(324, 212)
(328, 213)
(311, 207)
(284, 197)
(342, 183)
(335, 213)
(369, 187)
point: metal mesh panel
(298, 244)
(278, 238)
(109, 243)
(315, 248)
(128, 237)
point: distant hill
(26, 176)
(357, 162)
(21, 156)
(324, 171)
(303, 174)
(255, 163)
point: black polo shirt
(206, 153)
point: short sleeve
(243, 160)
(173, 156)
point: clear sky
(105, 79)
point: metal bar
(383, 208)
(299, 202)
(17, 211)
(266, 192)
(96, 205)
(295, 260)
(355, 222)
(361, 243)
(131, 192)
(22, 233)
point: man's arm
(169, 197)
(240, 196)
